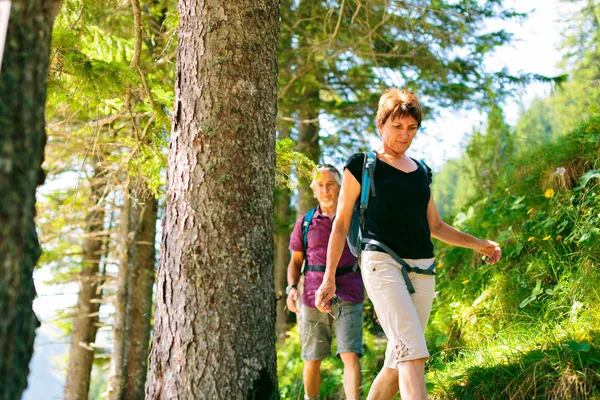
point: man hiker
(308, 244)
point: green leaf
(538, 289)
(583, 347)
(514, 250)
(589, 175)
(517, 203)
(525, 302)
(441, 339)
(505, 235)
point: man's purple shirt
(349, 287)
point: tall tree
(22, 102)
(215, 297)
(131, 330)
(142, 225)
(85, 319)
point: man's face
(325, 188)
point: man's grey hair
(337, 175)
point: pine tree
(22, 138)
(215, 313)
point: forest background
(527, 328)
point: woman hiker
(397, 260)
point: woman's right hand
(291, 300)
(490, 249)
(324, 294)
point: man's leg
(348, 331)
(352, 375)
(312, 378)
(385, 385)
(316, 335)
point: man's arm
(293, 277)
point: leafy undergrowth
(529, 326)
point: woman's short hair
(398, 103)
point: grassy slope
(527, 327)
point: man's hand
(291, 300)
(324, 294)
(490, 249)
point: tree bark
(81, 354)
(142, 219)
(22, 140)
(119, 328)
(131, 331)
(214, 333)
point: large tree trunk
(81, 354)
(214, 333)
(22, 139)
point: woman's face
(397, 134)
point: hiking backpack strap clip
(405, 267)
(305, 225)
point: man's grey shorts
(316, 331)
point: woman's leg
(385, 385)
(411, 379)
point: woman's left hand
(324, 294)
(490, 249)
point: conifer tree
(214, 333)
(22, 138)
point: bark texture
(22, 140)
(142, 217)
(214, 333)
(85, 320)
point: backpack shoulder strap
(427, 170)
(305, 224)
(368, 183)
(367, 187)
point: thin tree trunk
(308, 143)
(144, 211)
(22, 141)
(214, 333)
(283, 218)
(81, 354)
(119, 329)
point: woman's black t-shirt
(397, 215)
